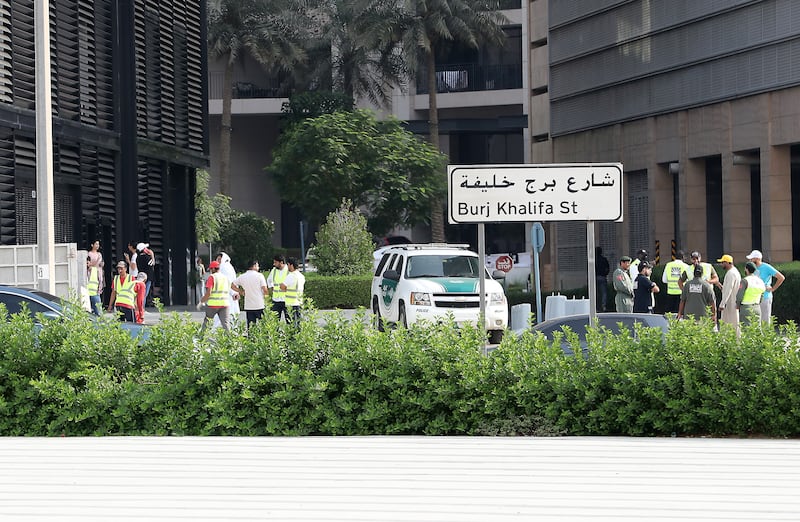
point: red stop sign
(504, 263)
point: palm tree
(349, 56)
(269, 31)
(423, 27)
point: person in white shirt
(253, 287)
(226, 268)
(293, 285)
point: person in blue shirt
(766, 273)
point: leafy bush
(344, 246)
(344, 378)
(338, 291)
(247, 236)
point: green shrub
(344, 246)
(342, 377)
(329, 292)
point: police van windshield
(442, 265)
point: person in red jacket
(140, 287)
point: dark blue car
(41, 302)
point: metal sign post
(592, 279)
(537, 242)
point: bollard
(520, 316)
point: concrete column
(776, 197)
(692, 179)
(737, 233)
(662, 208)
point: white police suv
(429, 282)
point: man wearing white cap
(145, 262)
(766, 273)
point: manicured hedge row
(329, 292)
(344, 378)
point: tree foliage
(269, 31)
(344, 245)
(246, 237)
(423, 29)
(211, 212)
(377, 165)
(311, 104)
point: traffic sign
(537, 236)
(524, 193)
(504, 263)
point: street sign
(504, 263)
(524, 193)
(537, 237)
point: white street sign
(521, 193)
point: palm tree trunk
(225, 131)
(437, 217)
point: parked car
(49, 305)
(430, 282)
(610, 320)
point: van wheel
(376, 316)
(495, 336)
(401, 316)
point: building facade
(129, 96)
(700, 102)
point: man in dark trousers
(601, 270)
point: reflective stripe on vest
(126, 296)
(94, 281)
(674, 270)
(220, 292)
(755, 288)
(278, 277)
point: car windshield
(442, 265)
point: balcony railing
(246, 88)
(470, 77)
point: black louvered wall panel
(153, 73)
(106, 181)
(104, 77)
(87, 60)
(8, 233)
(65, 60)
(89, 184)
(6, 92)
(140, 35)
(23, 55)
(166, 60)
(194, 71)
(181, 86)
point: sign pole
(482, 278)
(45, 213)
(537, 244)
(592, 278)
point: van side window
(382, 264)
(399, 265)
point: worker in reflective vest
(122, 294)
(748, 299)
(293, 285)
(277, 276)
(671, 276)
(217, 298)
(93, 288)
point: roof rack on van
(424, 246)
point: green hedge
(344, 378)
(328, 292)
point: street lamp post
(45, 229)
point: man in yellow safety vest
(123, 297)
(748, 299)
(217, 298)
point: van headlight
(497, 298)
(420, 298)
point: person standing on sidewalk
(122, 294)
(601, 270)
(766, 273)
(277, 276)
(671, 276)
(145, 262)
(216, 299)
(253, 287)
(751, 292)
(644, 290)
(294, 285)
(729, 312)
(94, 287)
(623, 286)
